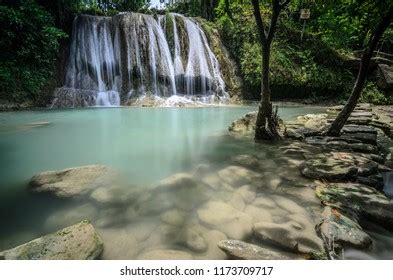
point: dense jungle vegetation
(311, 59)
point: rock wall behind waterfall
(117, 60)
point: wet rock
(247, 161)
(69, 216)
(314, 121)
(181, 191)
(239, 250)
(246, 124)
(328, 168)
(72, 182)
(358, 200)
(165, 255)
(174, 217)
(225, 218)
(258, 214)
(293, 134)
(247, 192)
(119, 244)
(193, 240)
(114, 195)
(237, 176)
(264, 202)
(213, 252)
(339, 230)
(77, 242)
(291, 235)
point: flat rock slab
(239, 250)
(328, 168)
(340, 230)
(291, 235)
(72, 181)
(77, 242)
(358, 200)
(337, 166)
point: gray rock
(239, 250)
(225, 218)
(327, 168)
(77, 242)
(246, 124)
(338, 229)
(247, 161)
(292, 235)
(358, 200)
(384, 76)
(72, 181)
(293, 134)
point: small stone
(240, 250)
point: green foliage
(28, 48)
(309, 66)
(105, 7)
(371, 94)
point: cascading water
(117, 60)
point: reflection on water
(183, 187)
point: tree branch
(273, 20)
(259, 21)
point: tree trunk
(266, 124)
(343, 116)
(264, 128)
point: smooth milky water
(146, 145)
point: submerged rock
(72, 182)
(77, 242)
(182, 191)
(225, 218)
(240, 250)
(339, 230)
(291, 235)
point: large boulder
(294, 236)
(239, 250)
(384, 76)
(340, 230)
(328, 168)
(77, 242)
(358, 200)
(72, 182)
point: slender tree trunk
(265, 111)
(266, 123)
(343, 116)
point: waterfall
(115, 60)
